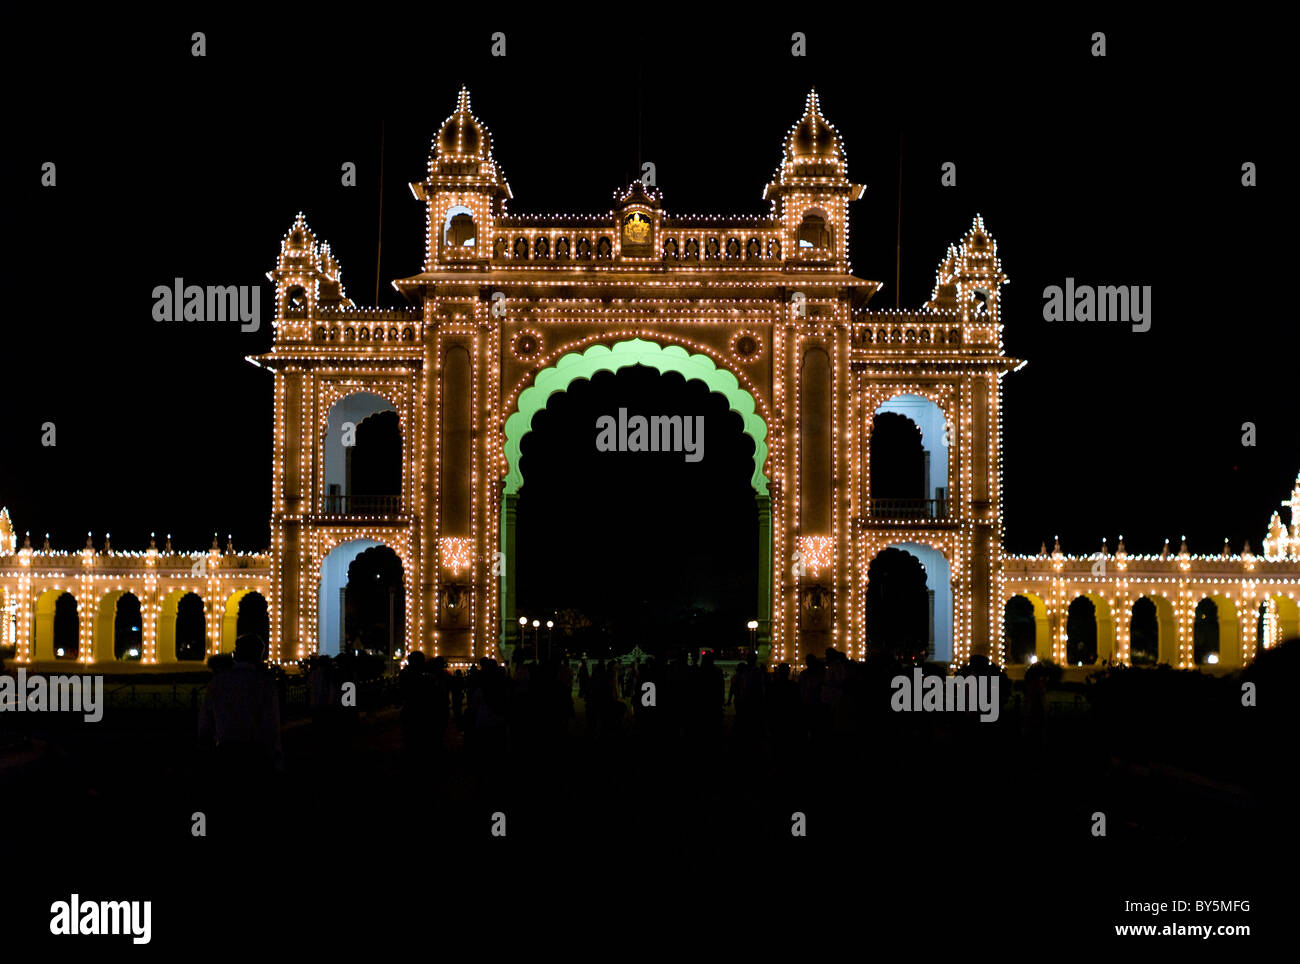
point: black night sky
(1109, 171)
(804, 807)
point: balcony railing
(906, 509)
(363, 505)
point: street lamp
(537, 642)
(752, 626)
(550, 636)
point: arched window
(733, 248)
(604, 249)
(813, 232)
(521, 249)
(692, 250)
(753, 250)
(670, 249)
(712, 248)
(542, 248)
(562, 248)
(584, 249)
(460, 231)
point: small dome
(813, 136)
(461, 133)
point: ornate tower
(464, 194)
(941, 369)
(810, 192)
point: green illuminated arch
(625, 354)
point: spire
(813, 159)
(970, 278)
(7, 541)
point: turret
(811, 190)
(464, 193)
(970, 277)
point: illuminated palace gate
(511, 308)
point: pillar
(764, 616)
(509, 540)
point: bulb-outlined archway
(599, 357)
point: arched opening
(67, 627)
(57, 627)
(1278, 621)
(1205, 633)
(1026, 630)
(191, 628)
(909, 470)
(1166, 628)
(897, 467)
(363, 457)
(637, 521)
(1144, 634)
(246, 613)
(1081, 632)
(909, 603)
(375, 469)
(813, 232)
(459, 230)
(374, 605)
(128, 629)
(362, 600)
(182, 627)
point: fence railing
(909, 508)
(363, 504)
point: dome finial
(462, 101)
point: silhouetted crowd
(534, 702)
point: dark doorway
(898, 606)
(637, 548)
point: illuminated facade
(510, 309)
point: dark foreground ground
(921, 833)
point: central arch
(625, 354)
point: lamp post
(752, 626)
(550, 636)
(537, 642)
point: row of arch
(910, 336)
(362, 423)
(364, 333)
(1221, 633)
(814, 232)
(117, 631)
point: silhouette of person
(240, 722)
